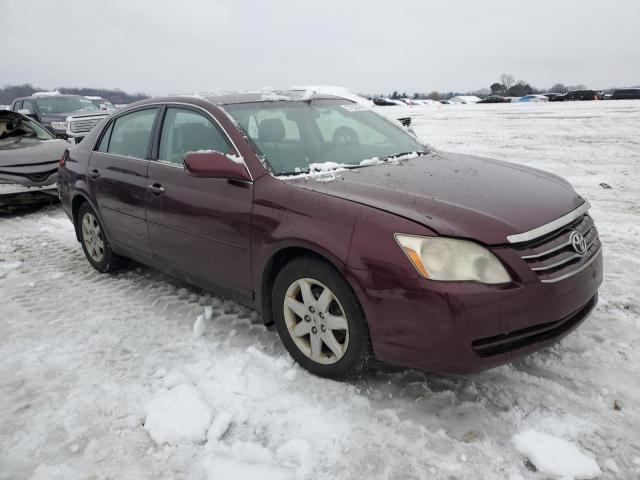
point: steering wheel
(345, 136)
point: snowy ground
(94, 368)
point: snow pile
(555, 456)
(327, 167)
(370, 161)
(177, 415)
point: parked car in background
(386, 102)
(65, 116)
(402, 115)
(442, 262)
(554, 97)
(495, 99)
(29, 154)
(625, 94)
(532, 98)
(102, 103)
(580, 95)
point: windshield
(64, 104)
(20, 132)
(294, 135)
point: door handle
(156, 189)
(94, 174)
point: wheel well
(274, 265)
(76, 203)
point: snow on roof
(332, 90)
(92, 97)
(46, 94)
(464, 99)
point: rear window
(130, 134)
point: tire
(323, 326)
(94, 241)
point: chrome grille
(83, 124)
(553, 257)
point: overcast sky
(371, 46)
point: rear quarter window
(130, 134)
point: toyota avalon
(355, 239)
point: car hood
(42, 152)
(61, 117)
(456, 195)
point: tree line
(505, 86)
(10, 92)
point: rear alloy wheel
(319, 319)
(92, 237)
(94, 241)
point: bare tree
(482, 92)
(507, 80)
(559, 88)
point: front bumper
(465, 327)
(44, 180)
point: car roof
(228, 98)
(38, 97)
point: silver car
(29, 154)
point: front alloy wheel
(319, 319)
(316, 321)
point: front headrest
(271, 130)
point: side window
(17, 106)
(104, 142)
(131, 134)
(28, 105)
(188, 131)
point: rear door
(117, 175)
(200, 226)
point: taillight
(63, 158)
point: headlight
(448, 259)
(59, 125)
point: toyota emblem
(578, 243)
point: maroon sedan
(354, 238)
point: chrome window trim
(160, 104)
(121, 156)
(169, 164)
(576, 271)
(543, 230)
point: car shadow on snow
(21, 203)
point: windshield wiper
(417, 153)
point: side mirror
(212, 164)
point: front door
(117, 176)
(200, 226)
